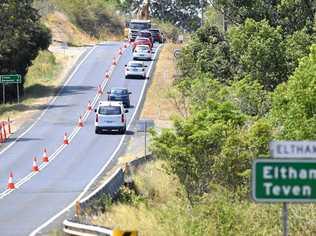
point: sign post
(289, 177)
(10, 79)
(143, 126)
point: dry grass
(64, 31)
(158, 104)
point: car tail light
(122, 118)
(96, 118)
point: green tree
(192, 147)
(21, 37)
(294, 103)
(259, 51)
(291, 15)
(297, 45)
(208, 52)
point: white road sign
(293, 149)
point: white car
(142, 52)
(110, 115)
(135, 69)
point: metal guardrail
(85, 230)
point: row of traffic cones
(35, 168)
(45, 158)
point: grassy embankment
(161, 206)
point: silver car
(142, 52)
(135, 69)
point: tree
(259, 50)
(291, 15)
(192, 147)
(209, 52)
(294, 103)
(21, 37)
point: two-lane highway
(41, 196)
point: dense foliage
(21, 37)
(245, 87)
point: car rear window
(142, 48)
(109, 110)
(145, 34)
(136, 65)
(119, 91)
(154, 32)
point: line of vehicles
(111, 114)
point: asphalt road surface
(40, 196)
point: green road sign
(275, 180)
(8, 79)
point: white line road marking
(37, 230)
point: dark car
(157, 36)
(146, 34)
(120, 94)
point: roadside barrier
(35, 166)
(80, 122)
(100, 91)
(10, 181)
(66, 141)
(111, 188)
(114, 61)
(45, 155)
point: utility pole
(225, 22)
(202, 12)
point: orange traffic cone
(35, 166)
(100, 90)
(66, 141)
(107, 74)
(10, 182)
(80, 122)
(89, 106)
(45, 156)
(1, 137)
(4, 131)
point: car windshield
(109, 110)
(136, 65)
(119, 91)
(139, 25)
